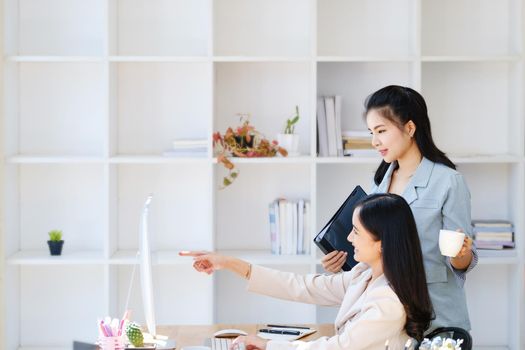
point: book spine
(272, 227)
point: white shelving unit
(95, 91)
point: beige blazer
(369, 313)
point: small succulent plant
(134, 334)
(55, 235)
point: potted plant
(288, 139)
(55, 242)
(243, 141)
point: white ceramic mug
(450, 242)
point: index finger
(192, 253)
(330, 255)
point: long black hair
(400, 105)
(389, 219)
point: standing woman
(416, 169)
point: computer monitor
(146, 280)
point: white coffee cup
(450, 242)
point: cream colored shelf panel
(264, 257)
(366, 58)
(348, 160)
(181, 59)
(261, 59)
(171, 257)
(42, 257)
(498, 257)
(31, 58)
(160, 257)
(152, 159)
(486, 159)
(28, 159)
(495, 58)
(43, 348)
(272, 160)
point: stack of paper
(493, 234)
(188, 148)
(358, 143)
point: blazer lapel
(420, 179)
(385, 183)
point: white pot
(289, 142)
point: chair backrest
(455, 333)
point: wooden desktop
(196, 335)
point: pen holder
(111, 343)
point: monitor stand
(161, 341)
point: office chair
(455, 333)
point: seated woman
(384, 297)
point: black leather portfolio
(334, 234)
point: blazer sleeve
(383, 317)
(457, 215)
(328, 290)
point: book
(329, 103)
(334, 234)
(300, 227)
(321, 129)
(273, 229)
(491, 223)
(338, 132)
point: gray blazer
(439, 198)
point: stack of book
(289, 227)
(358, 143)
(188, 148)
(330, 142)
(493, 234)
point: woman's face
(391, 141)
(366, 249)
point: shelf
(181, 59)
(162, 257)
(263, 257)
(153, 159)
(33, 159)
(135, 159)
(348, 160)
(261, 59)
(498, 257)
(66, 59)
(408, 59)
(495, 58)
(486, 159)
(271, 160)
(42, 257)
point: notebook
(281, 332)
(334, 234)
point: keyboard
(221, 343)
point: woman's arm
(457, 215)
(312, 289)
(209, 263)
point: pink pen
(120, 326)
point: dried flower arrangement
(244, 141)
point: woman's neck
(377, 270)
(409, 161)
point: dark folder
(334, 234)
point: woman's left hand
(251, 342)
